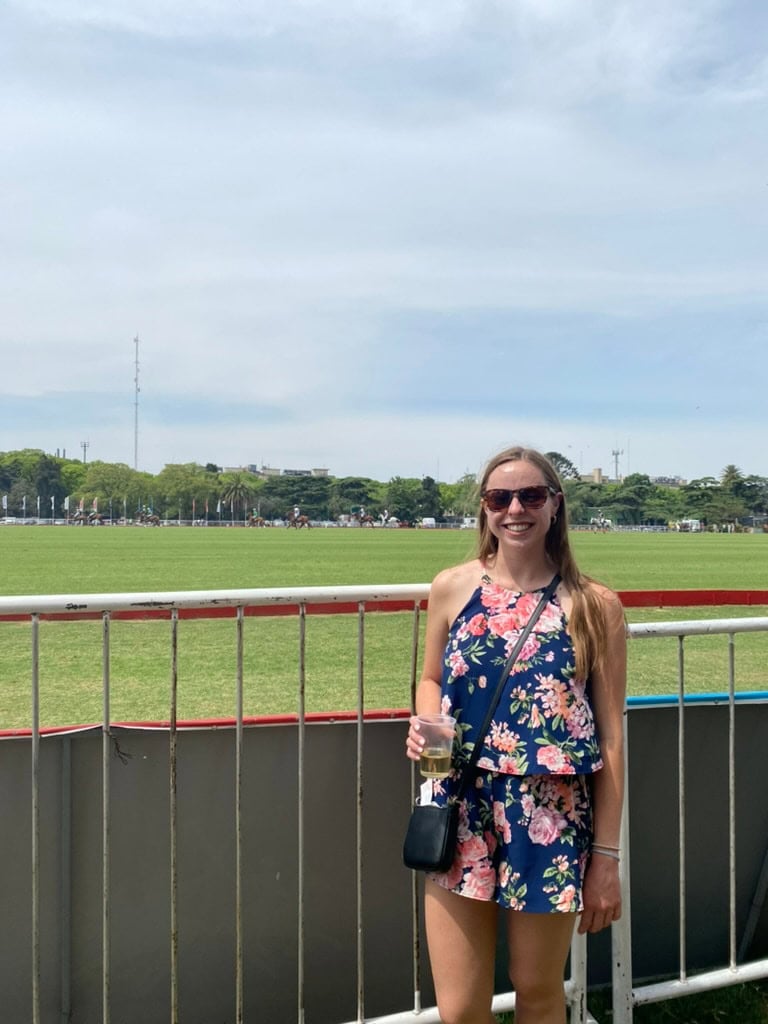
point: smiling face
(518, 527)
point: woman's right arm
(436, 636)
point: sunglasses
(498, 499)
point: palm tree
(238, 490)
(730, 478)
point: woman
(539, 828)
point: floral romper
(526, 821)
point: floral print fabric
(543, 723)
(523, 841)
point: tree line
(32, 480)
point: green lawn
(40, 560)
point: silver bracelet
(614, 855)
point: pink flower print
(566, 901)
(550, 620)
(579, 722)
(500, 821)
(528, 651)
(476, 625)
(459, 667)
(553, 694)
(545, 827)
(445, 705)
(452, 876)
(487, 764)
(505, 873)
(509, 764)
(534, 719)
(473, 849)
(481, 883)
(554, 760)
(505, 624)
(528, 804)
(502, 737)
(482, 682)
(561, 864)
(490, 842)
(526, 605)
(549, 656)
(494, 598)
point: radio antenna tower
(136, 408)
(615, 452)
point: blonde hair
(586, 623)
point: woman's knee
(459, 1011)
(537, 989)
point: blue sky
(386, 239)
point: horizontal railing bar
(696, 627)
(697, 983)
(166, 600)
(338, 598)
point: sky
(386, 239)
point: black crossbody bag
(430, 841)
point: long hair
(586, 623)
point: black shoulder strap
(543, 602)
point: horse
(298, 521)
(256, 521)
(601, 524)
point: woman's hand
(414, 743)
(601, 895)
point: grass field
(61, 560)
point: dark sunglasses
(498, 499)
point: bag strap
(543, 602)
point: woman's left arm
(602, 891)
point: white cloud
(329, 222)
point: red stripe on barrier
(312, 718)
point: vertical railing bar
(300, 823)
(106, 810)
(65, 882)
(35, 767)
(239, 819)
(359, 809)
(732, 797)
(416, 920)
(681, 806)
(173, 811)
(576, 987)
(621, 931)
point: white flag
(5, 502)
(52, 500)
(66, 504)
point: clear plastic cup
(438, 732)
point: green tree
(182, 484)
(462, 497)
(404, 498)
(348, 492)
(565, 468)
(237, 492)
(431, 504)
(730, 479)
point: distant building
(273, 471)
(668, 481)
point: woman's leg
(538, 950)
(461, 934)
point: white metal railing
(398, 596)
(625, 997)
